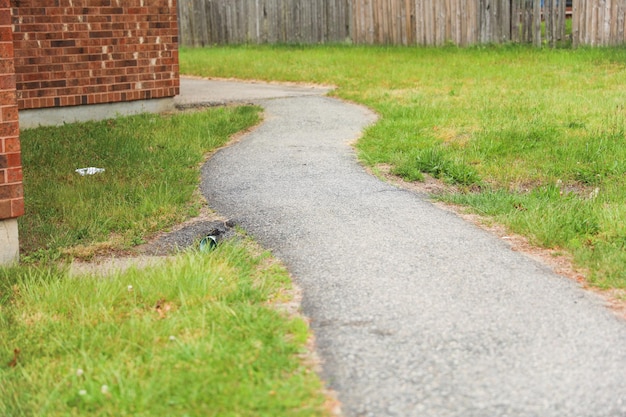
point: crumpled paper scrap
(89, 171)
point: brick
(13, 160)
(6, 50)
(101, 34)
(16, 190)
(9, 114)
(34, 61)
(14, 175)
(35, 85)
(8, 130)
(54, 84)
(7, 96)
(11, 191)
(112, 10)
(5, 209)
(7, 82)
(63, 43)
(119, 87)
(12, 144)
(6, 34)
(17, 207)
(80, 36)
(53, 36)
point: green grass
(199, 335)
(151, 172)
(540, 132)
(194, 337)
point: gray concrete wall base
(55, 116)
(9, 242)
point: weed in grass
(433, 161)
(408, 171)
(193, 336)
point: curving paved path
(416, 312)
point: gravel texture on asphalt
(415, 311)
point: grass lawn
(533, 138)
(199, 335)
(151, 172)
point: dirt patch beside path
(160, 247)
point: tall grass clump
(512, 119)
(435, 162)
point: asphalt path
(415, 311)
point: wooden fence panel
(207, 22)
(400, 22)
(461, 22)
(598, 22)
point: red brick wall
(74, 52)
(11, 192)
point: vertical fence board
(419, 22)
(621, 22)
(368, 21)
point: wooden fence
(599, 22)
(207, 22)
(461, 22)
(400, 22)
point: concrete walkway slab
(202, 92)
(416, 312)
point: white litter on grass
(89, 171)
